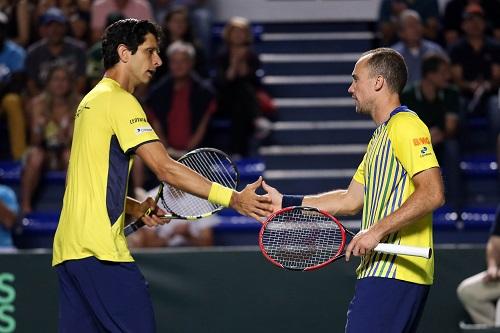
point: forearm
(133, 208)
(183, 178)
(334, 202)
(339, 202)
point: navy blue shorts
(383, 305)
(103, 296)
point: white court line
(323, 125)
(310, 57)
(314, 102)
(302, 79)
(313, 149)
(309, 174)
(307, 36)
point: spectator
(181, 102)
(19, 20)
(180, 106)
(453, 14)
(391, 9)
(480, 293)
(12, 58)
(176, 27)
(8, 215)
(80, 27)
(95, 67)
(51, 131)
(55, 50)
(476, 67)
(413, 47)
(237, 83)
(175, 233)
(100, 9)
(201, 18)
(438, 106)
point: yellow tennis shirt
(399, 149)
(109, 125)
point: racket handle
(132, 227)
(424, 252)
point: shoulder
(14, 48)
(37, 46)
(432, 46)
(459, 46)
(406, 124)
(201, 84)
(160, 90)
(492, 44)
(74, 44)
(6, 193)
(101, 3)
(399, 46)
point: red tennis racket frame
(284, 210)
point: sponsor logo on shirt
(80, 109)
(141, 130)
(425, 151)
(138, 120)
(421, 141)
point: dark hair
(131, 33)
(431, 63)
(188, 36)
(391, 65)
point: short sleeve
(411, 142)
(129, 123)
(359, 176)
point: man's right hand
(249, 203)
(274, 194)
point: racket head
(211, 163)
(302, 238)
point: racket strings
(300, 239)
(211, 164)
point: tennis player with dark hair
(398, 184)
(101, 288)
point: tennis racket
(305, 238)
(211, 163)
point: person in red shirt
(179, 106)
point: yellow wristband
(220, 195)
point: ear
(123, 53)
(379, 82)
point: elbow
(351, 210)
(166, 174)
(439, 200)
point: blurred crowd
(453, 60)
(50, 56)
(210, 93)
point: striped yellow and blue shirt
(399, 149)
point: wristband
(291, 200)
(220, 195)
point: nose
(350, 90)
(157, 60)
